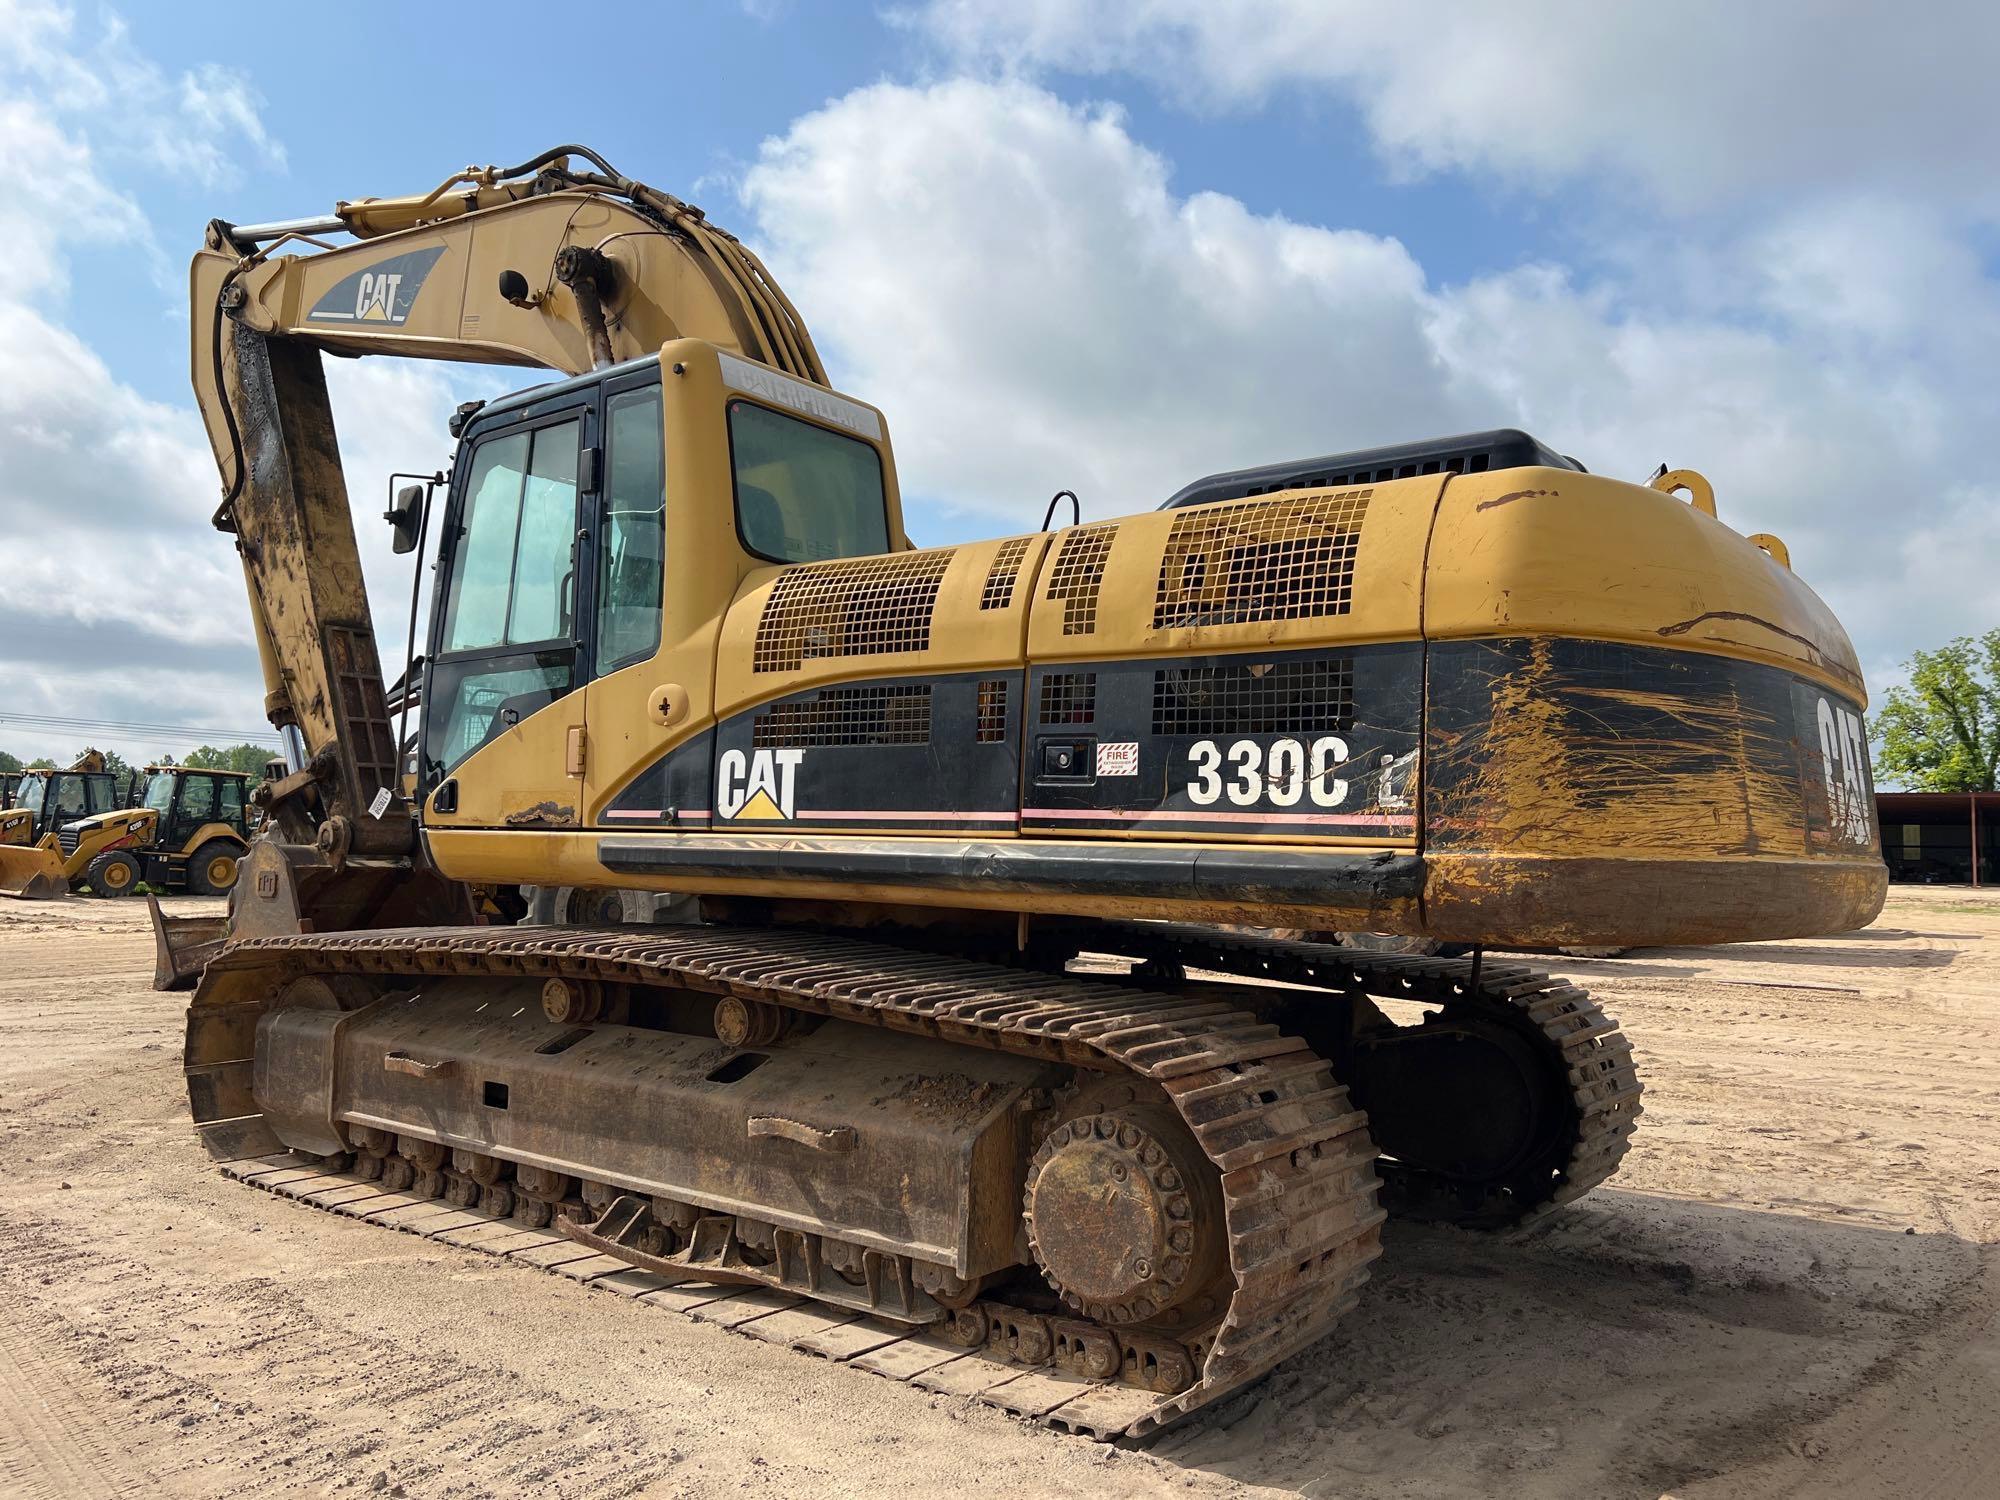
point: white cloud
(118, 601)
(1698, 104)
(1013, 279)
(195, 125)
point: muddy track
(1293, 1156)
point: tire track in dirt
(56, 1436)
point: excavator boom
(528, 265)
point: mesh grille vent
(847, 716)
(865, 607)
(1078, 570)
(1292, 697)
(1261, 560)
(992, 711)
(1069, 698)
(1000, 580)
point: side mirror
(406, 516)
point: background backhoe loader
(45, 801)
(187, 833)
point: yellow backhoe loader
(681, 644)
(8, 781)
(187, 834)
(45, 802)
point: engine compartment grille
(865, 606)
(892, 715)
(1078, 571)
(1255, 560)
(1286, 697)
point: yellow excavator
(954, 1058)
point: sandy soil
(1790, 1292)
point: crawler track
(1296, 1165)
(1582, 1042)
(1295, 1160)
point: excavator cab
(52, 799)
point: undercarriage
(1120, 1195)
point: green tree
(247, 758)
(40, 763)
(1940, 732)
(9, 762)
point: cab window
(481, 698)
(232, 804)
(511, 581)
(198, 800)
(506, 643)
(632, 540)
(71, 794)
(804, 492)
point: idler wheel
(1124, 1214)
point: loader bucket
(31, 874)
(182, 946)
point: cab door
(641, 771)
(194, 810)
(503, 691)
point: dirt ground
(1791, 1290)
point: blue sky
(1062, 242)
(383, 111)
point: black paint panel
(673, 792)
(1315, 744)
(890, 776)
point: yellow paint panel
(1298, 569)
(964, 635)
(1523, 552)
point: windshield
(31, 792)
(160, 792)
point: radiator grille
(1290, 697)
(1002, 576)
(1256, 560)
(898, 715)
(1077, 572)
(868, 606)
(992, 718)
(1069, 698)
